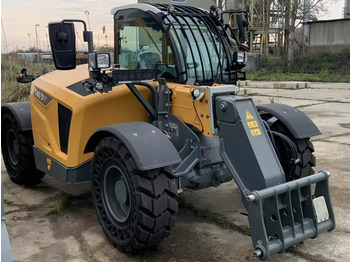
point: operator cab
(184, 44)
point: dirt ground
(75, 235)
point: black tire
(145, 214)
(17, 151)
(307, 161)
(303, 147)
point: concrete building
(332, 35)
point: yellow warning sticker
(196, 121)
(252, 124)
(255, 132)
(248, 116)
(48, 162)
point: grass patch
(324, 76)
(213, 217)
(323, 66)
(57, 205)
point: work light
(240, 56)
(99, 60)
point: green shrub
(321, 66)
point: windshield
(143, 45)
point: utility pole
(30, 42)
(3, 31)
(87, 15)
(306, 25)
(36, 41)
(47, 42)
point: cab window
(143, 45)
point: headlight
(99, 60)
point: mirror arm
(87, 35)
(75, 20)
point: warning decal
(248, 116)
(196, 121)
(252, 124)
(255, 132)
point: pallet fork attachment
(281, 214)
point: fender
(21, 111)
(299, 124)
(149, 146)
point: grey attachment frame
(283, 216)
(280, 214)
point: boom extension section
(280, 214)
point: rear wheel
(17, 151)
(296, 155)
(135, 208)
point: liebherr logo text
(42, 97)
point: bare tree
(298, 10)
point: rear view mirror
(242, 27)
(24, 78)
(62, 40)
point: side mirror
(25, 78)
(62, 40)
(242, 24)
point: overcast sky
(20, 16)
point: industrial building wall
(330, 33)
(204, 4)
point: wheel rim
(13, 146)
(117, 193)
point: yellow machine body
(96, 110)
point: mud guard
(21, 111)
(299, 124)
(148, 145)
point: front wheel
(295, 155)
(136, 208)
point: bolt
(258, 252)
(222, 106)
(134, 134)
(166, 104)
(251, 198)
(166, 116)
(207, 116)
